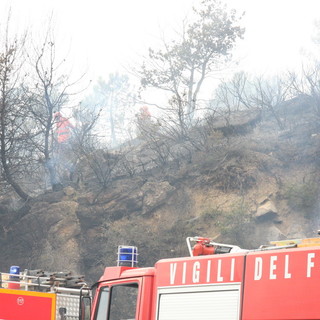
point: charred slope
(245, 182)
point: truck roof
(112, 273)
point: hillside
(246, 183)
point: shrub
(234, 224)
(226, 220)
(211, 214)
(301, 196)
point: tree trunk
(6, 170)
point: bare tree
(113, 99)
(235, 94)
(85, 140)
(49, 94)
(12, 113)
(86, 122)
(271, 96)
(242, 93)
(308, 85)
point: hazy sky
(108, 35)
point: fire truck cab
(217, 281)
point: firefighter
(64, 155)
(63, 128)
(144, 122)
(144, 113)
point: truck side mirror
(85, 304)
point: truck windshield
(123, 301)
(118, 302)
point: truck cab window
(123, 302)
(102, 306)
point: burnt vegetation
(188, 130)
(186, 166)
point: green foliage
(227, 220)
(181, 67)
(301, 196)
(235, 219)
(212, 214)
(233, 224)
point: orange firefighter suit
(63, 128)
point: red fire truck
(36, 295)
(217, 281)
